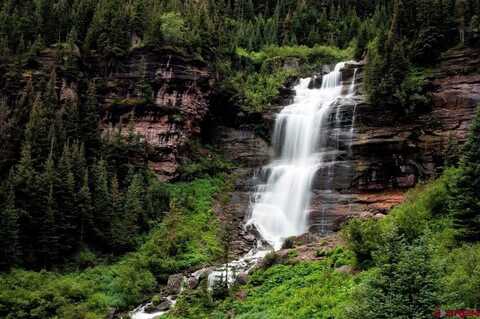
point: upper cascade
(280, 206)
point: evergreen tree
(85, 212)
(26, 192)
(71, 120)
(143, 87)
(90, 124)
(65, 193)
(37, 132)
(48, 218)
(405, 285)
(9, 228)
(127, 226)
(465, 191)
(80, 167)
(102, 203)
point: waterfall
(280, 206)
(300, 139)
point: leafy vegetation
(266, 71)
(188, 236)
(303, 290)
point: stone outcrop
(388, 153)
(180, 88)
(167, 120)
(242, 146)
(383, 156)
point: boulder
(242, 279)
(174, 284)
(345, 269)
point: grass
(306, 290)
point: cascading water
(300, 134)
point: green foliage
(202, 162)
(266, 71)
(465, 187)
(410, 220)
(362, 239)
(413, 93)
(318, 54)
(89, 294)
(259, 89)
(462, 275)
(187, 237)
(303, 290)
(189, 234)
(419, 31)
(404, 284)
(319, 292)
(386, 71)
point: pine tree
(102, 203)
(9, 227)
(134, 199)
(49, 220)
(90, 124)
(143, 87)
(405, 284)
(127, 226)
(65, 193)
(80, 167)
(119, 244)
(465, 197)
(37, 132)
(85, 212)
(71, 120)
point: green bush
(461, 283)
(362, 238)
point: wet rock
(345, 269)
(315, 82)
(174, 284)
(111, 314)
(242, 279)
(163, 305)
(192, 282)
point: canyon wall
(179, 86)
(385, 154)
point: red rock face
(181, 89)
(390, 154)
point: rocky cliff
(179, 87)
(380, 158)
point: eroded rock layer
(385, 154)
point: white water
(141, 313)
(280, 206)
(227, 273)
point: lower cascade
(302, 141)
(280, 208)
